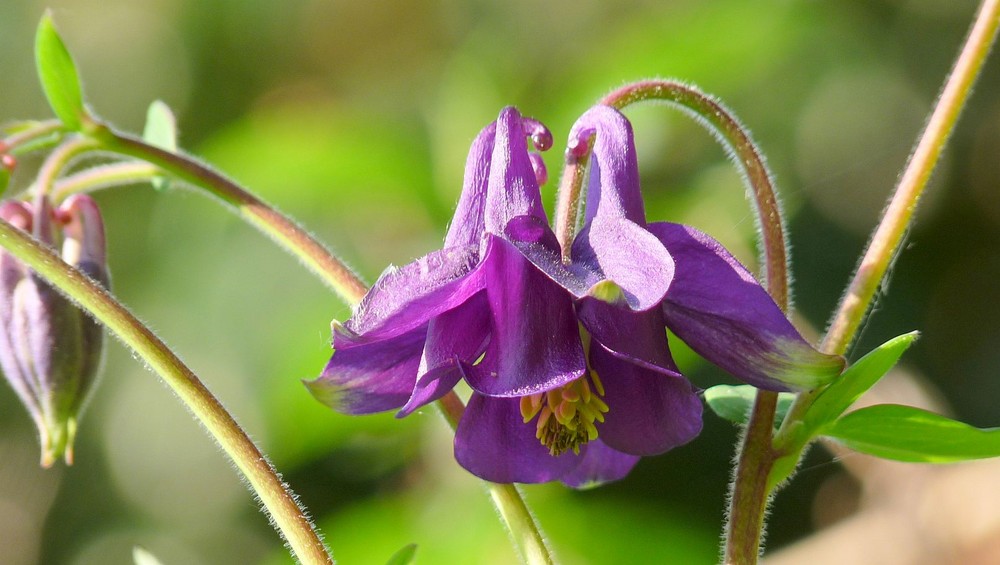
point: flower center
(566, 415)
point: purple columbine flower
(50, 351)
(571, 375)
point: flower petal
(648, 412)
(534, 239)
(614, 178)
(457, 336)
(614, 240)
(365, 376)
(493, 443)
(513, 188)
(407, 297)
(467, 224)
(599, 464)
(636, 337)
(631, 257)
(535, 338)
(718, 309)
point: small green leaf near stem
(58, 75)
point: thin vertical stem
(898, 215)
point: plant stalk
(289, 518)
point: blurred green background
(355, 118)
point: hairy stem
(284, 231)
(58, 160)
(104, 176)
(278, 500)
(743, 153)
(898, 215)
(522, 526)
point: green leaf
(733, 403)
(905, 433)
(57, 72)
(403, 556)
(857, 379)
(161, 131)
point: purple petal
(513, 188)
(631, 257)
(366, 376)
(718, 309)
(407, 297)
(493, 443)
(535, 240)
(457, 336)
(614, 241)
(535, 338)
(637, 337)
(648, 412)
(467, 224)
(614, 178)
(599, 464)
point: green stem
(259, 214)
(288, 517)
(743, 153)
(104, 176)
(569, 202)
(521, 525)
(749, 491)
(898, 215)
(524, 530)
(29, 135)
(59, 160)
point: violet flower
(572, 386)
(50, 351)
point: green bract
(57, 72)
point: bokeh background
(355, 118)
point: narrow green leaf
(733, 403)
(404, 556)
(905, 433)
(57, 72)
(857, 379)
(161, 131)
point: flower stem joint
(50, 351)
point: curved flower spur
(571, 375)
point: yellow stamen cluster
(566, 415)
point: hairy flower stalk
(568, 360)
(50, 351)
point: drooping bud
(50, 351)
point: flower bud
(50, 351)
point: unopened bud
(50, 351)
